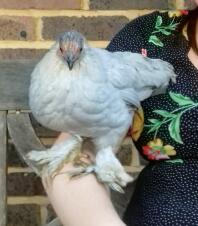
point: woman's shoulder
(153, 29)
(131, 36)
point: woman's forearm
(82, 201)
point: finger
(90, 154)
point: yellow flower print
(174, 13)
(170, 151)
(156, 142)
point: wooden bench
(15, 116)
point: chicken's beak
(70, 64)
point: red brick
(17, 28)
(23, 215)
(94, 28)
(40, 4)
(129, 4)
(13, 159)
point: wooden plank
(19, 170)
(3, 138)
(23, 200)
(14, 84)
(24, 137)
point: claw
(74, 175)
(78, 172)
(90, 169)
(109, 170)
(116, 187)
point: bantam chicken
(91, 93)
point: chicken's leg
(109, 170)
(54, 158)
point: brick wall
(27, 27)
(27, 30)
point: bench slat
(3, 170)
(14, 84)
(24, 137)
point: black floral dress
(167, 189)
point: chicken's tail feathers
(168, 69)
(157, 79)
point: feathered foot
(53, 159)
(109, 170)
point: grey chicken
(90, 92)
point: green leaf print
(163, 29)
(158, 21)
(174, 129)
(154, 121)
(165, 32)
(175, 161)
(155, 40)
(153, 128)
(180, 99)
(164, 113)
(173, 118)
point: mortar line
(85, 4)
(39, 27)
(130, 14)
(11, 44)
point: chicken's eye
(81, 49)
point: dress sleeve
(134, 36)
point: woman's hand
(82, 201)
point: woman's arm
(82, 201)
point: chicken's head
(71, 45)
